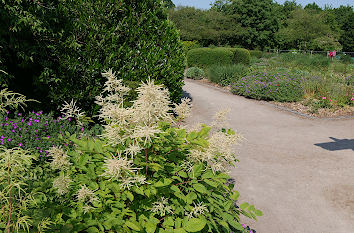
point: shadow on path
(186, 95)
(337, 144)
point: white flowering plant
(146, 172)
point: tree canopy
(267, 24)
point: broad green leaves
(194, 225)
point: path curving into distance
(298, 171)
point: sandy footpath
(298, 171)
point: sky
(205, 4)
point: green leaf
(150, 226)
(191, 197)
(195, 225)
(211, 183)
(179, 230)
(236, 225)
(132, 225)
(200, 188)
(258, 212)
(196, 171)
(130, 195)
(235, 195)
(164, 182)
(182, 174)
(244, 205)
(92, 230)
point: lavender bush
(270, 86)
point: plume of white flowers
(70, 110)
(183, 110)
(219, 154)
(85, 194)
(118, 167)
(161, 207)
(121, 169)
(220, 118)
(60, 158)
(133, 127)
(197, 210)
(62, 184)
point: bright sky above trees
(205, 4)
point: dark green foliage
(346, 58)
(227, 74)
(205, 57)
(256, 53)
(344, 16)
(56, 50)
(260, 18)
(270, 86)
(195, 73)
(206, 26)
(241, 55)
(188, 45)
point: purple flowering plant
(37, 131)
(274, 86)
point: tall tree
(261, 19)
(206, 26)
(307, 30)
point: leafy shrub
(227, 74)
(55, 51)
(241, 55)
(145, 174)
(270, 86)
(205, 57)
(195, 73)
(256, 53)
(346, 59)
(188, 45)
(303, 60)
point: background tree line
(262, 24)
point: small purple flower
(6, 118)
(19, 136)
(9, 139)
(19, 114)
(48, 136)
(2, 143)
(22, 120)
(20, 144)
(65, 144)
(29, 123)
(69, 119)
(37, 148)
(13, 131)
(40, 151)
(2, 137)
(7, 112)
(243, 225)
(82, 129)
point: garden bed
(298, 107)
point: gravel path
(298, 171)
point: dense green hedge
(56, 50)
(205, 57)
(241, 55)
(188, 45)
(256, 53)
